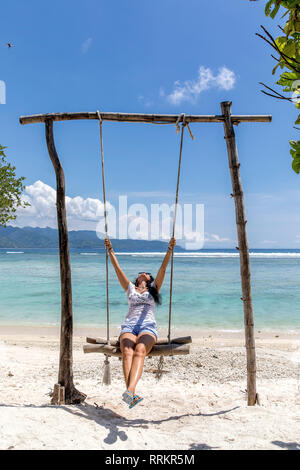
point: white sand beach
(199, 403)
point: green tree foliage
(287, 48)
(11, 189)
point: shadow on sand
(201, 447)
(287, 445)
(116, 423)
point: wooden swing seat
(176, 347)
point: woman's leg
(127, 345)
(145, 342)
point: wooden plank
(138, 117)
(180, 340)
(157, 350)
(240, 215)
(115, 340)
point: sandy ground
(199, 403)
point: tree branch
(279, 96)
(273, 44)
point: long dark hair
(153, 290)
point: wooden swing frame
(64, 390)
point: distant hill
(35, 237)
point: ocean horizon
(206, 288)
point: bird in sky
(9, 44)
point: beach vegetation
(11, 189)
(287, 58)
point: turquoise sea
(206, 293)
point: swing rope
(106, 374)
(181, 118)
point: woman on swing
(138, 332)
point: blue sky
(127, 57)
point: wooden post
(58, 397)
(65, 375)
(234, 166)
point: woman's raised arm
(124, 281)
(162, 270)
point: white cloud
(215, 238)
(86, 45)
(225, 79)
(87, 214)
(145, 101)
(81, 213)
(190, 90)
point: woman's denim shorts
(137, 329)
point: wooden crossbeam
(137, 117)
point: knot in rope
(99, 117)
(181, 118)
